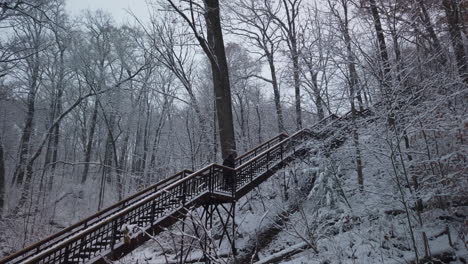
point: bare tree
(426, 20)
(382, 46)
(352, 77)
(261, 31)
(241, 66)
(290, 26)
(57, 74)
(31, 32)
(213, 46)
(170, 46)
(93, 68)
(316, 47)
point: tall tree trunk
(426, 19)
(56, 130)
(137, 156)
(353, 79)
(453, 21)
(89, 144)
(242, 124)
(143, 167)
(220, 74)
(51, 153)
(259, 122)
(48, 151)
(319, 102)
(24, 146)
(276, 93)
(122, 167)
(297, 82)
(399, 62)
(291, 8)
(353, 83)
(215, 133)
(109, 149)
(157, 137)
(318, 96)
(136, 153)
(201, 118)
(355, 133)
(382, 48)
(56, 138)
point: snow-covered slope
(325, 217)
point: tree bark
(28, 127)
(382, 48)
(318, 96)
(89, 144)
(276, 93)
(162, 120)
(426, 19)
(353, 76)
(220, 74)
(292, 14)
(122, 167)
(297, 84)
(56, 131)
(353, 82)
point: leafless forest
(92, 110)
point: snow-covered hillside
(327, 218)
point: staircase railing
(267, 160)
(258, 149)
(90, 220)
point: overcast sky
(118, 8)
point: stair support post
(234, 187)
(210, 174)
(233, 244)
(267, 160)
(184, 200)
(208, 226)
(67, 253)
(153, 212)
(251, 171)
(281, 151)
(114, 233)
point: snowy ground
(373, 228)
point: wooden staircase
(159, 206)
